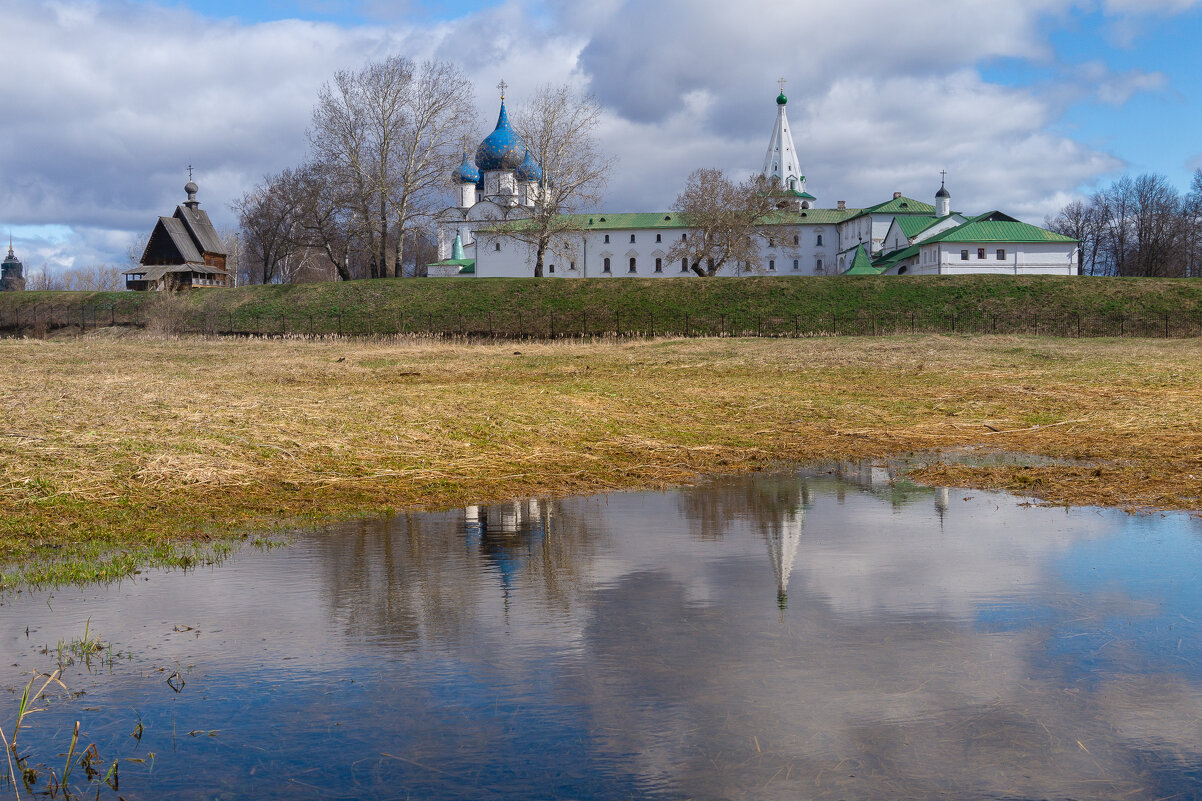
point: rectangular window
(607, 239)
(683, 237)
(980, 253)
(771, 264)
(1001, 254)
(605, 268)
(819, 240)
(964, 255)
(684, 265)
(659, 265)
(818, 265)
(551, 269)
(572, 266)
(796, 264)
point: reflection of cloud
(638, 637)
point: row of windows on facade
(607, 267)
(683, 237)
(1001, 254)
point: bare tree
(268, 217)
(387, 135)
(722, 217)
(1082, 221)
(438, 109)
(1192, 213)
(558, 127)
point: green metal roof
(989, 228)
(672, 219)
(913, 224)
(889, 259)
(899, 205)
(862, 264)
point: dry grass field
(114, 450)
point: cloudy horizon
(1026, 105)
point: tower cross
(502, 86)
(942, 176)
(782, 82)
(189, 172)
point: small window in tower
(1001, 254)
(818, 241)
(605, 268)
(980, 253)
(964, 255)
(632, 239)
(632, 265)
(607, 239)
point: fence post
(1078, 325)
(651, 322)
(834, 325)
(1036, 316)
(521, 328)
(490, 329)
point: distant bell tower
(781, 166)
(11, 277)
(943, 198)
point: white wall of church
(1001, 258)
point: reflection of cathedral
(783, 536)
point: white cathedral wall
(1020, 258)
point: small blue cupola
(529, 169)
(466, 173)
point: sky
(1026, 103)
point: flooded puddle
(773, 636)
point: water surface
(774, 636)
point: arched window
(605, 269)
(818, 265)
(607, 239)
(632, 265)
(819, 240)
(796, 239)
(632, 239)
(683, 237)
(659, 265)
(771, 242)
(659, 238)
(805, 204)
(497, 246)
(551, 269)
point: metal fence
(43, 319)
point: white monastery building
(901, 236)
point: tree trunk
(538, 261)
(382, 253)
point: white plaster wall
(1021, 258)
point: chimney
(896, 195)
(842, 205)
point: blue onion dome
(781, 99)
(466, 173)
(529, 169)
(501, 149)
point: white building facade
(900, 236)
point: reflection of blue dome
(529, 169)
(502, 149)
(466, 173)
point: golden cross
(502, 86)
(782, 82)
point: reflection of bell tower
(783, 537)
(941, 504)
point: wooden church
(184, 251)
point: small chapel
(898, 236)
(184, 251)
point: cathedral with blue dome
(504, 183)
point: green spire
(457, 248)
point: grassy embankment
(116, 449)
(979, 302)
